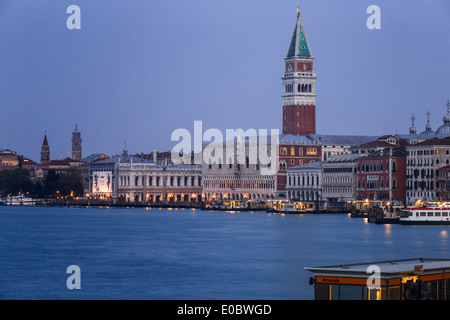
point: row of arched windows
(302, 87)
(289, 88)
(157, 181)
(283, 151)
(233, 183)
(375, 184)
(309, 151)
(376, 167)
(308, 180)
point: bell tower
(76, 144)
(299, 85)
(45, 150)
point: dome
(445, 128)
(428, 129)
(430, 132)
(446, 118)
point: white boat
(286, 206)
(427, 213)
(19, 201)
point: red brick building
(382, 175)
(443, 183)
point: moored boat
(19, 200)
(286, 206)
(432, 213)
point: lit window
(311, 151)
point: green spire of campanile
(299, 43)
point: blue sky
(139, 69)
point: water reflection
(387, 229)
(387, 234)
(444, 236)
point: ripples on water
(137, 253)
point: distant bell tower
(413, 129)
(299, 85)
(76, 144)
(45, 151)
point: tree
(51, 183)
(70, 183)
(15, 181)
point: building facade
(339, 178)
(294, 151)
(382, 175)
(304, 182)
(100, 173)
(424, 160)
(238, 175)
(132, 179)
(8, 159)
(444, 183)
(237, 182)
(147, 182)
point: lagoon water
(138, 253)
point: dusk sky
(139, 69)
